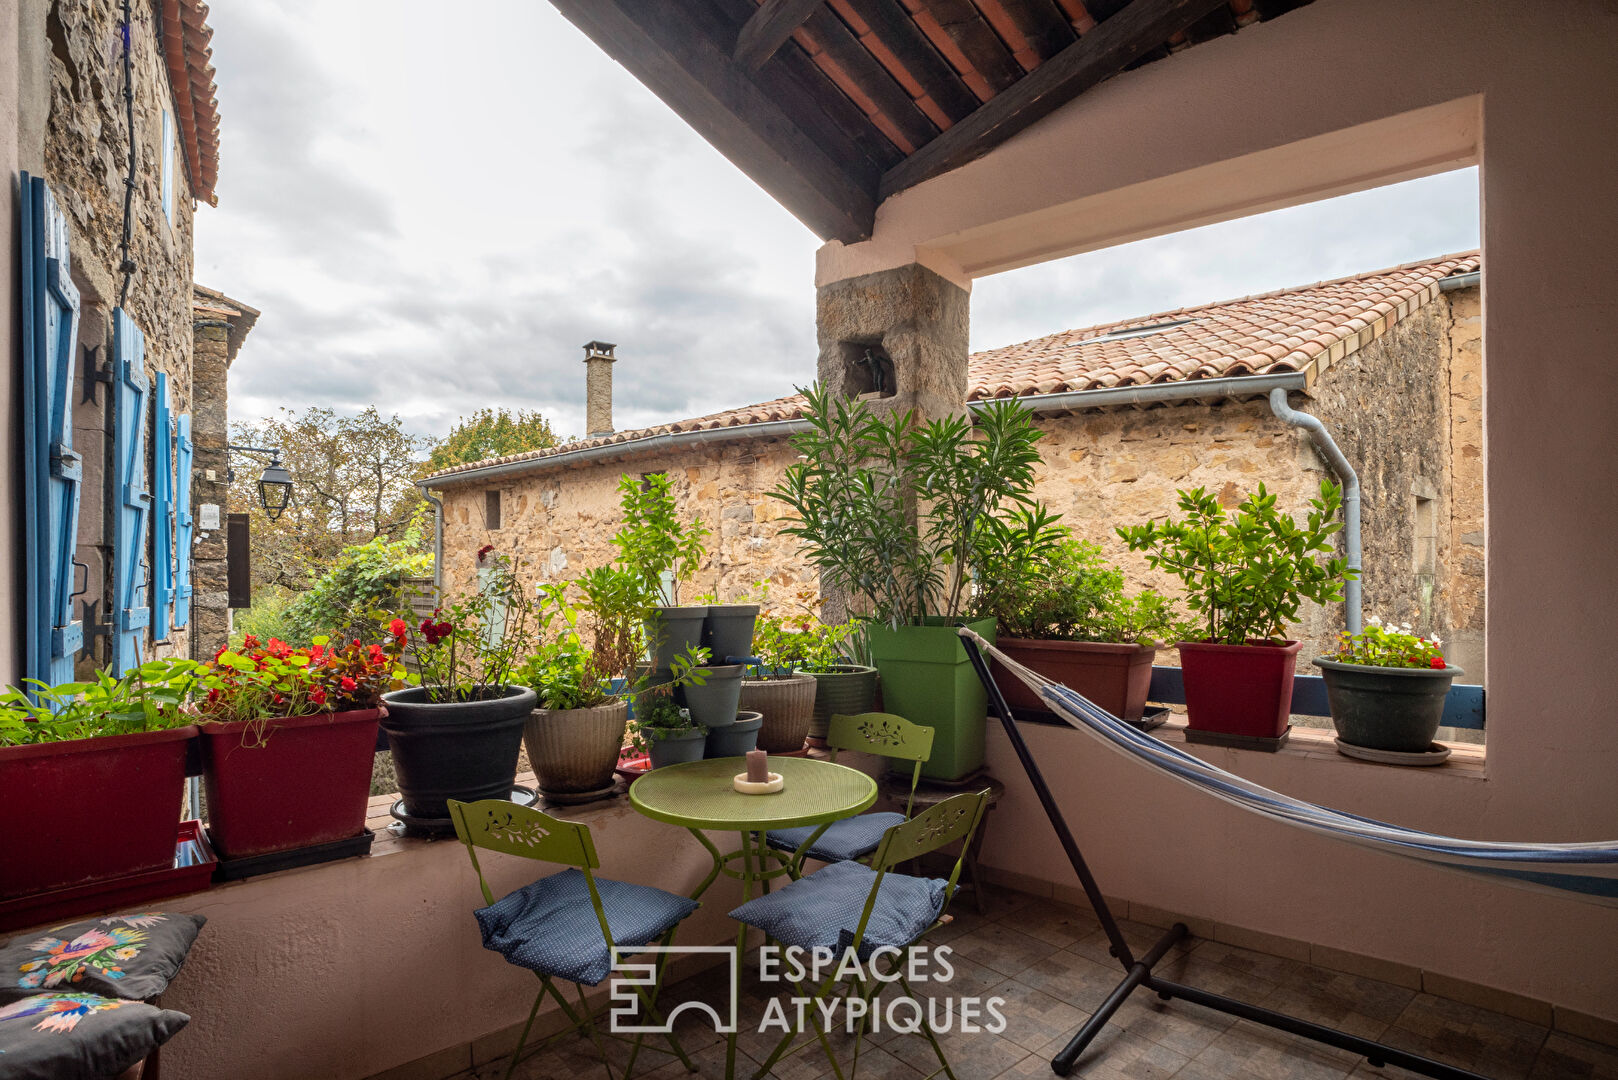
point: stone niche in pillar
(898, 338)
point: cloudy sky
(434, 213)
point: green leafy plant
(790, 637)
(1072, 593)
(1246, 574)
(265, 681)
(653, 541)
(1389, 646)
(362, 578)
(896, 511)
(149, 697)
(658, 716)
(468, 650)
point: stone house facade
(1390, 361)
(102, 108)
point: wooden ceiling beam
(666, 48)
(768, 28)
(1105, 51)
(874, 80)
(894, 27)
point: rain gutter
(438, 542)
(1352, 602)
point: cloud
(434, 214)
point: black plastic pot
(1386, 708)
(728, 631)
(464, 750)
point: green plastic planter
(1386, 708)
(928, 680)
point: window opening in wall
(868, 370)
(491, 508)
(168, 166)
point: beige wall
(1337, 95)
(11, 495)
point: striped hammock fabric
(1584, 871)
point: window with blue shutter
(131, 610)
(162, 511)
(183, 455)
(50, 326)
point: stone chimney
(598, 361)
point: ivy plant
(1247, 574)
(653, 541)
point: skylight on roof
(1137, 331)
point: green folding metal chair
(562, 926)
(885, 735)
(842, 906)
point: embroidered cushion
(127, 956)
(77, 1036)
(823, 909)
(850, 838)
(550, 926)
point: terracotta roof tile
(1272, 332)
(188, 54)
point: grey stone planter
(848, 690)
(574, 751)
(736, 739)
(787, 705)
(1386, 708)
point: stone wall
(1464, 557)
(210, 424)
(83, 154)
(1388, 406)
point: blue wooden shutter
(50, 323)
(182, 520)
(131, 611)
(162, 512)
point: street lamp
(274, 484)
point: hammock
(1586, 871)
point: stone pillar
(210, 597)
(897, 339)
(598, 361)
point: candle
(758, 767)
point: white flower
(1373, 620)
(1405, 627)
(1438, 641)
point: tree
(491, 433)
(353, 480)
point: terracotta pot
(287, 783)
(787, 705)
(574, 751)
(1115, 677)
(90, 809)
(846, 690)
(1239, 689)
(1386, 708)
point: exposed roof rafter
(768, 29)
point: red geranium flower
(1438, 662)
(399, 628)
(347, 685)
(318, 695)
(484, 550)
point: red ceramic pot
(89, 809)
(1239, 689)
(287, 783)
(1115, 677)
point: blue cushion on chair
(550, 926)
(824, 909)
(849, 838)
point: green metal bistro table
(698, 796)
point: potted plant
(784, 696)
(1386, 688)
(457, 734)
(1066, 615)
(576, 732)
(891, 510)
(92, 776)
(1246, 575)
(661, 552)
(287, 738)
(665, 732)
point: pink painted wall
(1338, 95)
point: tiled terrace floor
(1050, 964)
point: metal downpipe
(1352, 593)
(438, 544)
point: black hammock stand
(1138, 970)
